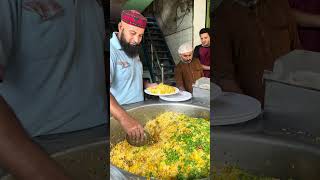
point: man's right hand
(181, 88)
(133, 128)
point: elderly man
(126, 70)
(249, 36)
(189, 69)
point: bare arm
(19, 155)
(132, 127)
(306, 19)
(205, 67)
(147, 84)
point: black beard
(130, 50)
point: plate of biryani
(161, 90)
(181, 149)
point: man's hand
(147, 85)
(306, 19)
(132, 127)
(181, 88)
(205, 67)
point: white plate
(148, 92)
(181, 96)
(231, 108)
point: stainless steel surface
(162, 73)
(152, 60)
(292, 93)
(145, 112)
(192, 101)
(86, 162)
(265, 155)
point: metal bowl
(148, 112)
(265, 155)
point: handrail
(152, 55)
(155, 60)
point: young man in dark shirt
(202, 51)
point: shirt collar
(114, 41)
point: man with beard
(188, 70)
(126, 70)
(249, 36)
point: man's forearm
(145, 84)
(180, 85)
(306, 19)
(181, 88)
(204, 67)
(19, 155)
(116, 110)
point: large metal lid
(299, 68)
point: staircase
(158, 58)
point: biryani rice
(182, 149)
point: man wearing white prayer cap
(189, 69)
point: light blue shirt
(125, 74)
(54, 71)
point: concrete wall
(209, 9)
(175, 19)
(180, 21)
(199, 19)
(175, 40)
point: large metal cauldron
(265, 155)
(86, 162)
(148, 112)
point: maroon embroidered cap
(133, 17)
